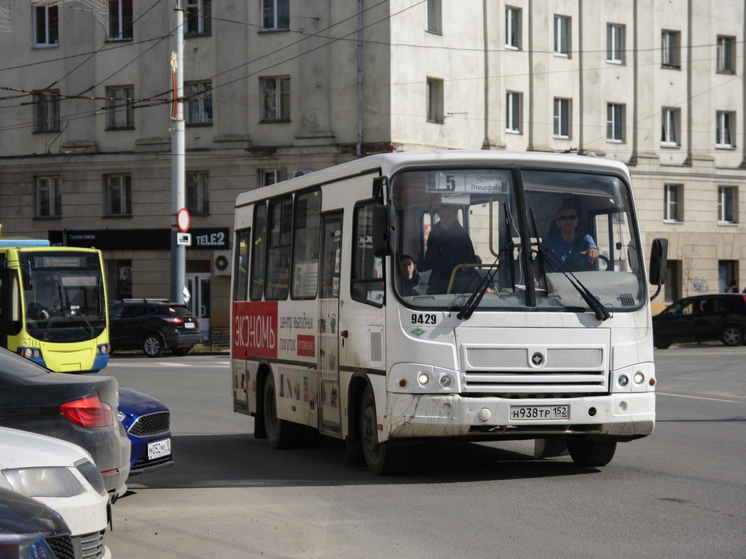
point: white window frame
(672, 206)
(434, 22)
(615, 43)
(513, 112)
(562, 118)
(119, 195)
(48, 190)
(47, 111)
(198, 104)
(199, 12)
(271, 8)
(671, 49)
(119, 112)
(726, 55)
(268, 177)
(51, 32)
(275, 95)
(513, 28)
(562, 36)
(727, 205)
(725, 132)
(199, 182)
(670, 127)
(123, 31)
(615, 125)
(435, 111)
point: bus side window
(241, 265)
(367, 284)
(258, 252)
(306, 245)
(278, 250)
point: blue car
(148, 425)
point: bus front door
(328, 364)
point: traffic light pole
(178, 164)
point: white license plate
(189, 325)
(520, 413)
(159, 449)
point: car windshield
(64, 300)
(460, 230)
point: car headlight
(44, 482)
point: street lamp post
(178, 165)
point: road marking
(700, 398)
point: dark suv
(153, 325)
(702, 318)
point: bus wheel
(281, 433)
(590, 454)
(382, 460)
(152, 345)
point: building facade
(274, 88)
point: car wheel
(590, 454)
(280, 433)
(732, 336)
(152, 345)
(382, 460)
(181, 351)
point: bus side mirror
(380, 228)
(658, 261)
(26, 278)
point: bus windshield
(460, 232)
(64, 299)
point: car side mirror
(658, 263)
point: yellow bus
(53, 305)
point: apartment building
(274, 88)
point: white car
(62, 476)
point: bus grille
(541, 383)
(151, 424)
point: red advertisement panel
(306, 345)
(255, 329)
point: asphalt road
(679, 493)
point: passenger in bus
(449, 246)
(577, 251)
(410, 275)
(46, 302)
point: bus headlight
(639, 378)
(445, 381)
(623, 380)
(423, 378)
(30, 352)
(103, 349)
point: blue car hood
(134, 402)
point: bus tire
(152, 345)
(590, 454)
(280, 433)
(382, 460)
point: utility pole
(178, 164)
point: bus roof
(20, 242)
(387, 163)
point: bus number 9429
(424, 318)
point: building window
(615, 43)
(727, 204)
(513, 28)
(120, 114)
(513, 112)
(198, 17)
(670, 127)
(615, 122)
(198, 193)
(670, 49)
(726, 55)
(269, 177)
(562, 109)
(198, 102)
(48, 197)
(562, 35)
(435, 100)
(434, 16)
(672, 210)
(47, 105)
(724, 133)
(276, 14)
(45, 24)
(275, 99)
(120, 20)
(119, 193)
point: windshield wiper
(476, 296)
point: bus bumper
(622, 416)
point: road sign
(184, 239)
(183, 219)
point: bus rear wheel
(590, 454)
(280, 433)
(382, 460)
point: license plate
(159, 449)
(520, 413)
(189, 325)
